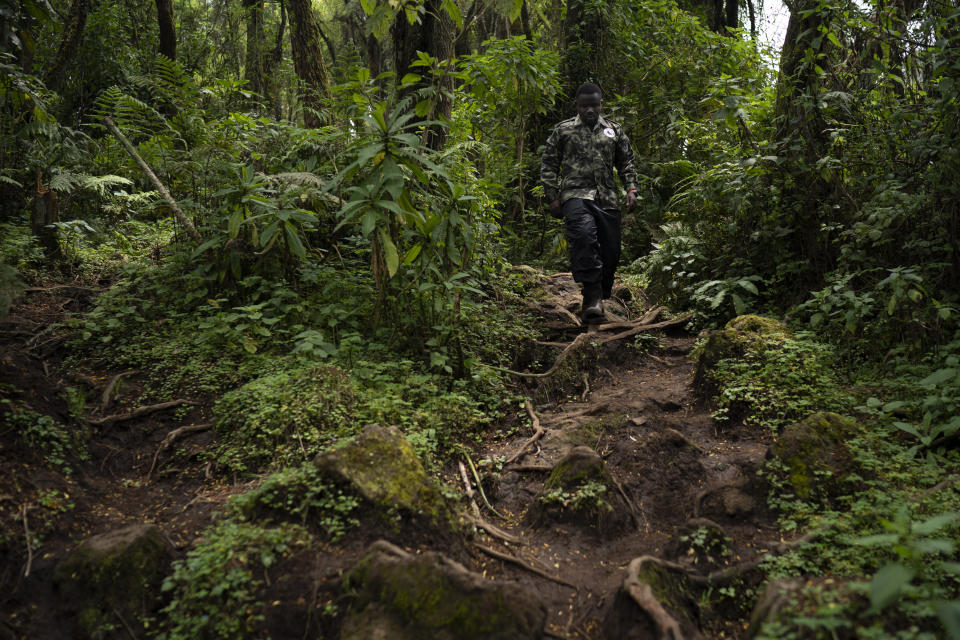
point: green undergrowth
(217, 590)
(883, 526)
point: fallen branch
(107, 396)
(177, 211)
(136, 413)
(494, 531)
(651, 315)
(170, 437)
(537, 434)
(506, 557)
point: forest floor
(681, 481)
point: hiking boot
(592, 308)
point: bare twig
(506, 557)
(136, 413)
(469, 489)
(107, 396)
(476, 477)
(170, 437)
(538, 432)
(26, 534)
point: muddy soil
(633, 406)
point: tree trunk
(434, 35)
(254, 63)
(168, 33)
(69, 43)
(271, 79)
(46, 211)
(308, 61)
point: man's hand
(631, 199)
(556, 210)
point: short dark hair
(588, 88)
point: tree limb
(177, 211)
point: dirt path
(692, 491)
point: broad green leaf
(294, 242)
(368, 223)
(938, 377)
(888, 583)
(935, 523)
(233, 226)
(389, 253)
(832, 37)
(739, 306)
(949, 614)
(454, 12)
(749, 286)
(934, 547)
(412, 253)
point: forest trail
(684, 482)
(683, 493)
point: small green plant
(588, 495)
(216, 591)
(301, 494)
(55, 442)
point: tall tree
(308, 60)
(254, 65)
(168, 33)
(69, 42)
(433, 34)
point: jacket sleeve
(550, 164)
(624, 162)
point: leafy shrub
(300, 493)
(215, 591)
(55, 441)
(285, 417)
(777, 385)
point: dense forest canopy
(256, 185)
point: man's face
(588, 106)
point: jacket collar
(601, 122)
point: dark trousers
(593, 237)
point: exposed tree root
(494, 531)
(537, 434)
(136, 413)
(469, 490)
(667, 626)
(634, 329)
(506, 557)
(676, 434)
(520, 468)
(107, 396)
(634, 512)
(170, 437)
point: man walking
(577, 175)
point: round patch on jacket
(609, 133)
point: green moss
(814, 449)
(381, 467)
(116, 572)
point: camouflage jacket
(578, 162)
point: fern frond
(66, 181)
(301, 178)
(101, 184)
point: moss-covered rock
(741, 336)
(580, 491)
(814, 455)
(380, 467)
(403, 596)
(113, 574)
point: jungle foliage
(357, 223)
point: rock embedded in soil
(113, 576)
(405, 596)
(381, 467)
(741, 336)
(581, 491)
(814, 454)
